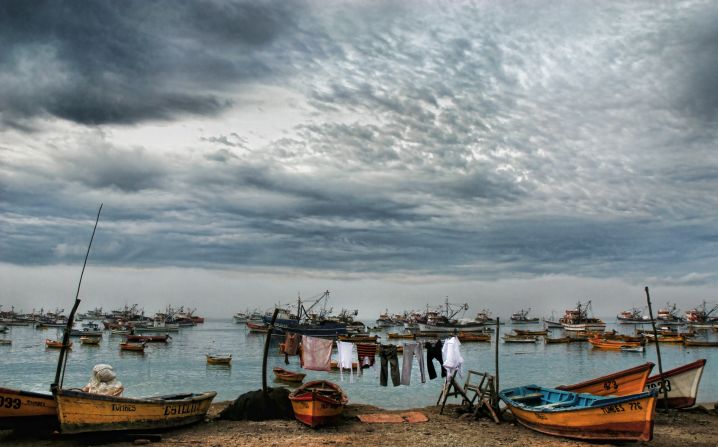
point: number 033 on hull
(25, 408)
(583, 416)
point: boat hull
(314, 408)
(468, 327)
(585, 327)
(80, 412)
(26, 409)
(682, 384)
(629, 418)
(621, 383)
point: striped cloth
(366, 353)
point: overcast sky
(501, 153)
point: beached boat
(615, 345)
(148, 338)
(700, 343)
(520, 339)
(92, 341)
(288, 376)
(81, 412)
(396, 335)
(223, 359)
(318, 402)
(135, 347)
(583, 416)
(56, 344)
(681, 383)
(621, 383)
(26, 409)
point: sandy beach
(677, 428)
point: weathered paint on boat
(318, 402)
(56, 344)
(26, 409)
(615, 345)
(682, 384)
(81, 412)
(136, 347)
(288, 376)
(219, 359)
(621, 383)
(583, 416)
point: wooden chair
(483, 393)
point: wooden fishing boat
(549, 340)
(92, 341)
(359, 338)
(682, 384)
(520, 339)
(677, 339)
(224, 359)
(702, 343)
(5, 341)
(26, 409)
(55, 344)
(473, 336)
(530, 332)
(318, 402)
(621, 383)
(288, 376)
(81, 412)
(148, 338)
(135, 347)
(581, 415)
(396, 335)
(257, 327)
(632, 349)
(615, 345)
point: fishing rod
(62, 360)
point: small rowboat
(395, 335)
(530, 332)
(119, 331)
(224, 359)
(288, 376)
(549, 340)
(148, 338)
(93, 341)
(5, 341)
(358, 338)
(136, 347)
(26, 409)
(520, 339)
(56, 344)
(705, 344)
(81, 412)
(621, 383)
(472, 336)
(632, 349)
(678, 339)
(318, 402)
(614, 345)
(257, 327)
(583, 416)
(682, 384)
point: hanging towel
(316, 353)
(346, 355)
(366, 353)
(452, 357)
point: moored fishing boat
(26, 409)
(520, 339)
(681, 383)
(257, 327)
(220, 359)
(577, 319)
(134, 347)
(318, 402)
(288, 376)
(148, 338)
(583, 416)
(614, 345)
(55, 344)
(406, 336)
(530, 332)
(549, 340)
(521, 317)
(632, 316)
(473, 336)
(80, 412)
(621, 383)
(359, 338)
(632, 349)
(92, 341)
(700, 343)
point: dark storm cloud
(123, 62)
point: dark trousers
(387, 354)
(433, 351)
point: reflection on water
(181, 365)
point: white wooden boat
(682, 384)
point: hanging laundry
(433, 351)
(316, 353)
(412, 349)
(387, 355)
(290, 346)
(366, 353)
(346, 352)
(452, 357)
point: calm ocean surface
(180, 365)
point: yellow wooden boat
(26, 409)
(581, 415)
(225, 359)
(396, 335)
(621, 383)
(613, 345)
(318, 402)
(80, 412)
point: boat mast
(62, 359)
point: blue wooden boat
(582, 415)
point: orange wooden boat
(621, 383)
(56, 344)
(471, 336)
(19, 409)
(288, 376)
(318, 402)
(260, 328)
(614, 345)
(135, 347)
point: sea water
(180, 365)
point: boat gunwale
(598, 402)
(648, 365)
(700, 363)
(157, 400)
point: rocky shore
(696, 427)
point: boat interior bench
(525, 397)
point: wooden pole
(62, 360)
(497, 355)
(658, 352)
(266, 349)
